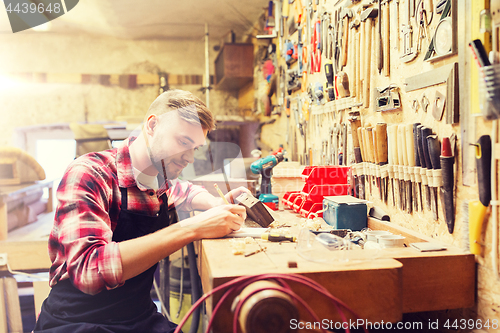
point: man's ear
(151, 123)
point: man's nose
(188, 156)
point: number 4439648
(472, 324)
(34, 8)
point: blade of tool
(425, 133)
(434, 153)
(418, 168)
(447, 161)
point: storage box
(345, 212)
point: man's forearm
(204, 201)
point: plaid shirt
(80, 243)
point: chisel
(477, 209)
(355, 125)
(360, 166)
(434, 153)
(393, 153)
(410, 151)
(370, 149)
(375, 165)
(447, 161)
(425, 161)
(382, 151)
(418, 176)
(401, 157)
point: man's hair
(190, 108)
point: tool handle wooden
(368, 60)
(355, 124)
(385, 14)
(369, 144)
(393, 144)
(410, 145)
(361, 143)
(285, 8)
(403, 156)
(415, 144)
(382, 151)
(375, 146)
(345, 41)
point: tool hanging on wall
(367, 17)
(438, 105)
(401, 139)
(392, 155)
(380, 51)
(447, 191)
(444, 41)
(387, 99)
(423, 163)
(434, 154)
(386, 51)
(477, 209)
(354, 55)
(382, 151)
(417, 170)
(410, 150)
(410, 52)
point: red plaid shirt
(80, 244)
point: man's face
(174, 141)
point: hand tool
(355, 125)
(427, 79)
(404, 166)
(353, 55)
(264, 166)
(344, 144)
(360, 167)
(425, 149)
(285, 9)
(273, 237)
(288, 104)
(262, 249)
(369, 157)
(409, 52)
(418, 168)
(410, 150)
(382, 151)
(477, 209)
(392, 154)
(387, 99)
(434, 153)
(445, 27)
(367, 16)
(452, 97)
(387, 39)
(346, 15)
(375, 169)
(357, 79)
(447, 161)
(423, 163)
(270, 17)
(380, 51)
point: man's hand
(233, 194)
(217, 222)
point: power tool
(264, 166)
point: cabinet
(234, 66)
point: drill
(264, 166)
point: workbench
(400, 280)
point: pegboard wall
(354, 82)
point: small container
(388, 241)
(345, 212)
(371, 235)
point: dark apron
(128, 308)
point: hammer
(354, 54)
(367, 17)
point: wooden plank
(25, 255)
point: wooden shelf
(234, 66)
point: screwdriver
(278, 237)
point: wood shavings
(278, 224)
(249, 240)
(238, 245)
(312, 224)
